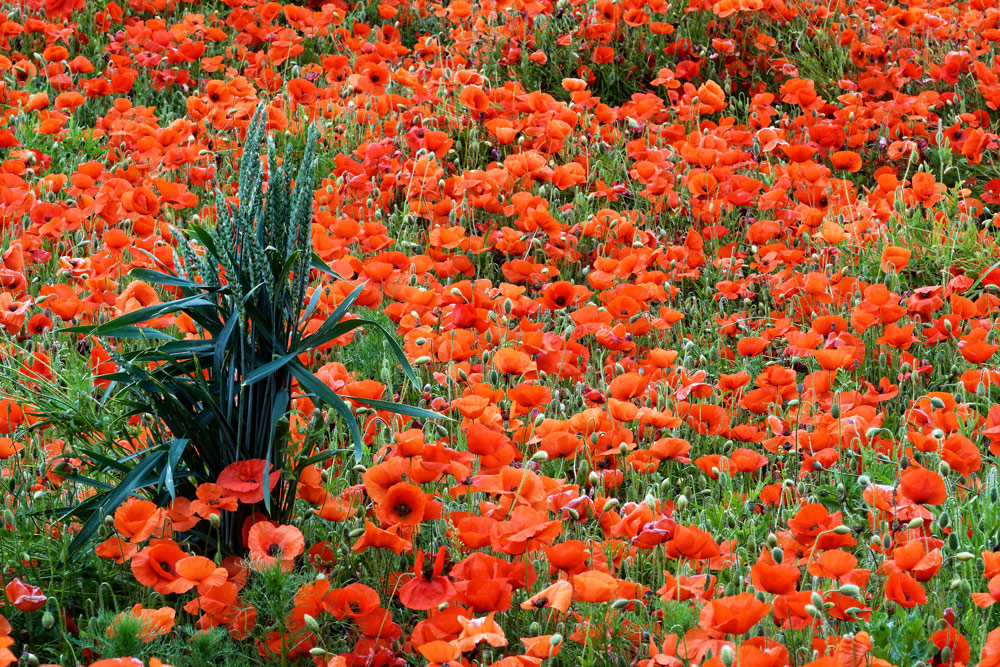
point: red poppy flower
(24, 596)
(245, 480)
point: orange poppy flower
(270, 544)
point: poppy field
(625, 333)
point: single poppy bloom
(156, 565)
(23, 596)
(403, 504)
(922, 486)
(155, 622)
(556, 596)
(904, 590)
(244, 480)
(733, 615)
(270, 544)
(594, 586)
(352, 601)
(895, 258)
(428, 588)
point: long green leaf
(132, 482)
(322, 392)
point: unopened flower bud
(850, 590)
(310, 624)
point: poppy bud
(48, 620)
(817, 600)
(573, 514)
(556, 639)
(30, 659)
(681, 503)
(981, 389)
(772, 540)
(943, 467)
(540, 455)
(8, 516)
(620, 604)
(953, 541)
(850, 590)
(420, 361)
(310, 623)
(611, 503)
(214, 521)
(356, 533)
(842, 530)
(954, 583)
(964, 556)
(886, 541)
(944, 520)
(778, 554)
(812, 610)
(915, 523)
(937, 402)
(317, 652)
(835, 411)
(864, 481)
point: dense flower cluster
(708, 292)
